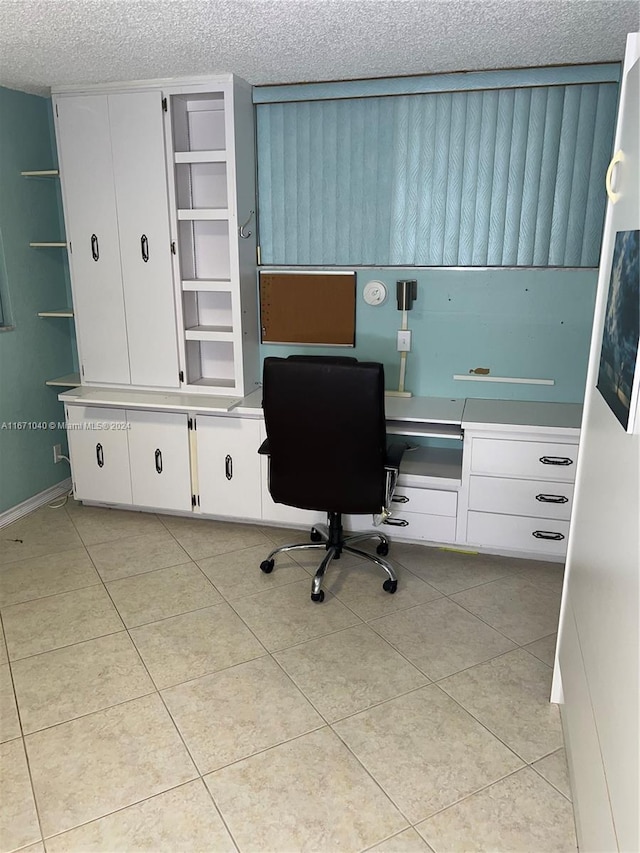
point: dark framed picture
(619, 373)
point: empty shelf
(203, 213)
(60, 312)
(210, 284)
(209, 333)
(200, 156)
(71, 380)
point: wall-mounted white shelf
(60, 312)
(200, 157)
(47, 245)
(516, 380)
(41, 173)
(71, 380)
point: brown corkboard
(308, 308)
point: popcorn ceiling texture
(46, 43)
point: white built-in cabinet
(159, 200)
(228, 466)
(112, 162)
(129, 457)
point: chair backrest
(325, 425)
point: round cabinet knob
(375, 293)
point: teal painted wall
(522, 323)
(36, 279)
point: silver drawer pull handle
(396, 522)
(547, 534)
(400, 499)
(552, 499)
(556, 460)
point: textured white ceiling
(46, 43)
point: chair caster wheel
(267, 566)
(317, 596)
(383, 549)
(390, 586)
(315, 536)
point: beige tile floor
(159, 693)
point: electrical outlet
(57, 453)
(404, 340)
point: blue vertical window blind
(502, 176)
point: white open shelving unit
(70, 380)
(202, 129)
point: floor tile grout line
(548, 781)
(219, 812)
(49, 595)
(53, 835)
(491, 732)
(474, 793)
(492, 626)
(347, 716)
(187, 562)
(69, 645)
(377, 783)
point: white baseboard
(50, 494)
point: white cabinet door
(84, 150)
(160, 463)
(137, 139)
(229, 466)
(99, 454)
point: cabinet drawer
(430, 501)
(538, 460)
(540, 535)
(536, 498)
(416, 525)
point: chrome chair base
(329, 538)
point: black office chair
(327, 448)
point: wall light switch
(404, 341)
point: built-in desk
(491, 475)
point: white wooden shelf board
(204, 213)
(41, 173)
(209, 333)
(47, 245)
(60, 312)
(212, 285)
(215, 156)
(71, 380)
(170, 401)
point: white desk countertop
(439, 411)
(522, 414)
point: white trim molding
(42, 498)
